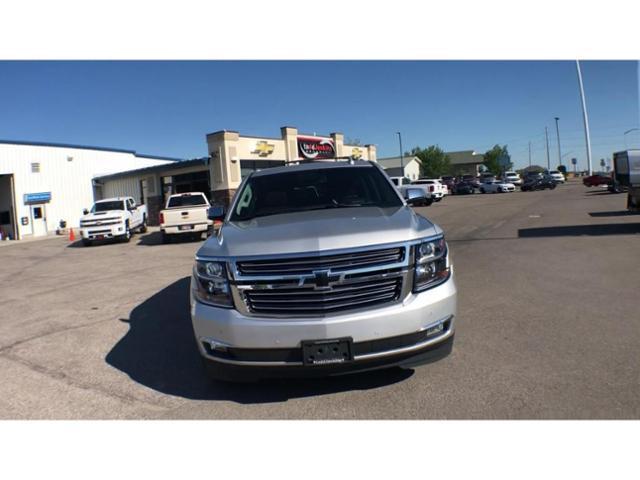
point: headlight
(210, 283)
(431, 267)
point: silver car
(321, 269)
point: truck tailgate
(185, 216)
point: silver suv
(321, 269)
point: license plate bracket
(185, 227)
(327, 352)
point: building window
(35, 167)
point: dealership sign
(37, 197)
(316, 147)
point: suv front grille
(337, 262)
(306, 300)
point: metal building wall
(66, 172)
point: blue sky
(166, 108)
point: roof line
(84, 147)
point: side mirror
(414, 195)
(85, 212)
(216, 212)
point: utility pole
(585, 118)
(546, 136)
(558, 133)
(529, 153)
(401, 153)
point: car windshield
(106, 206)
(316, 189)
(187, 200)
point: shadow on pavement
(155, 238)
(159, 352)
(578, 230)
(619, 213)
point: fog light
(436, 329)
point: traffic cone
(72, 236)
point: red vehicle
(596, 180)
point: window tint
(187, 201)
(105, 206)
(314, 189)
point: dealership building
(44, 184)
(231, 157)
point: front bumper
(232, 343)
(102, 231)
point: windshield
(105, 206)
(187, 200)
(313, 190)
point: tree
(435, 162)
(491, 159)
(534, 168)
(562, 169)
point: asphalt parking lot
(548, 326)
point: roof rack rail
(299, 161)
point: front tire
(127, 233)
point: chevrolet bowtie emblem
(323, 279)
(263, 148)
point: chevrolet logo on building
(264, 148)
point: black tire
(127, 233)
(552, 187)
(143, 227)
(86, 242)
(438, 199)
(165, 238)
(482, 190)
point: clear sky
(167, 108)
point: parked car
(472, 179)
(496, 186)
(557, 176)
(596, 180)
(463, 188)
(512, 177)
(364, 283)
(185, 214)
(113, 218)
(432, 186)
(448, 181)
(538, 183)
(532, 175)
(400, 181)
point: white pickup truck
(112, 218)
(185, 214)
(432, 187)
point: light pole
(585, 118)
(558, 134)
(625, 135)
(401, 154)
(546, 136)
(529, 153)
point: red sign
(316, 147)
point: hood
(318, 230)
(109, 214)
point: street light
(558, 134)
(585, 118)
(625, 135)
(401, 154)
